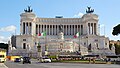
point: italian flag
(42, 34)
(77, 35)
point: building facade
(87, 26)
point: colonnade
(54, 29)
(26, 28)
(92, 27)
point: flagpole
(39, 47)
(78, 36)
(45, 43)
(46, 51)
(79, 42)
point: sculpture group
(28, 10)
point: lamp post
(39, 52)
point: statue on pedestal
(61, 34)
(60, 28)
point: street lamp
(39, 51)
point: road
(2, 65)
(35, 64)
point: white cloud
(4, 39)
(78, 15)
(10, 28)
(102, 25)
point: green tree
(116, 30)
(4, 46)
(117, 49)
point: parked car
(17, 60)
(26, 60)
(45, 59)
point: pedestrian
(93, 60)
(109, 59)
(106, 60)
(89, 60)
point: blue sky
(108, 11)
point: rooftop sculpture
(28, 10)
(89, 10)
